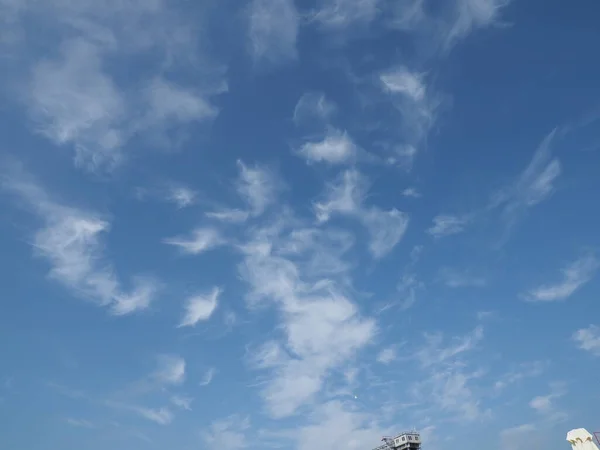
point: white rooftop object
(581, 439)
(408, 440)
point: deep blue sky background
(279, 224)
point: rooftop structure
(408, 440)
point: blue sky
(298, 225)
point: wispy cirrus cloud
(227, 434)
(208, 377)
(470, 15)
(257, 185)
(273, 30)
(200, 241)
(574, 276)
(313, 108)
(79, 423)
(71, 241)
(444, 27)
(346, 195)
(182, 196)
(545, 405)
(447, 225)
(531, 187)
(416, 105)
(448, 382)
(182, 402)
(588, 339)
(335, 148)
(411, 192)
(171, 370)
(521, 372)
(339, 14)
(435, 352)
(454, 278)
(74, 97)
(321, 328)
(200, 307)
(387, 355)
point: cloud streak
(200, 308)
(71, 241)
(574, 276)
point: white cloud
(182, 196)
(227, 434)
(229, 215)
(402, 81)
(455, 279)
(319, 252)
(386, 229)
(162, 416)
(575, 275)
(208, 377)
(446, 225)
(407, 290)
(336, 148)
(273, 30)
(311, 107)
(171, 370)
(471, 15)
(525, 370)
(257, 186)
(182, 402)
(339, 14)
(387, 355)
(520, 437)
(200, 308)
(169, 102)
(415, 103)
(449, 385)
(79, 423)
(434, 352)
(75, 102)
(76, 99)
(546, 404)
(344, 196)
(138, 299)
(334, 422)
(588, 339)
(411, 192)
(202, 240)
(71, 240)
(533, 185)
(541, 404)
(320, 327)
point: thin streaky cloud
(71, 240)
(200, 308)
(340, 14)
(257, 185)
(182, 402)
(208, 377)
(273, 30)
(200, 241)
(171, 370)
(446, 225)
(335, 148)
(574, 276)
(313, 107)
(588, 339)
(182, 197)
